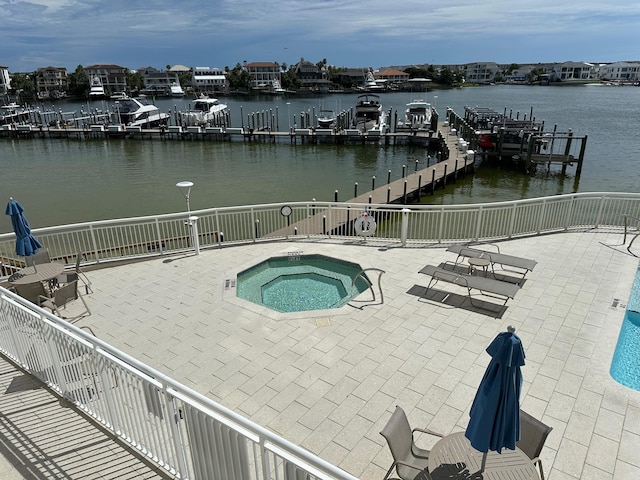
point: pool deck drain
(323, 322)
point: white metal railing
(186, 433)
(126, 238)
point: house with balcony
(265, 76)
(482, 72)
(5, 80)
(622, 72)
(157, 82)
(392, 77)
(312, 77)
(113, 77)
(574, 72)
(209, 80)
(51, 82)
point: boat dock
(422, 181)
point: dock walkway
(402, 191)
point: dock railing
(186, 433)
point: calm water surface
(67, 181)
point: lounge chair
(486, 286)
(533, 434)
(409, 461)
(524, 265)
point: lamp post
(192, 222)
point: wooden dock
(409, 188)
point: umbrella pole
(484, 461)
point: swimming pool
(298, 283)
(625, 366)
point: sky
(347, 33)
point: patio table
(41, 273)
(453, 457)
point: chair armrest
(42, 299)
(426, 430)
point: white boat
(205, 111)
(176, 90)
(118, 96)
(369, 116)
(326, 118)
(373, 85)
(97, 89)
(138, 113)
(417, 116)
(14, 113)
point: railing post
(404, 228)
(195, 238)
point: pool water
(301, 283)
(625, 366)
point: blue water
(300, 283)
(625, 366)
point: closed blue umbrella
(26, 243)
(494, 419)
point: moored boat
(14, 113)
(137, 112)
(205, 111)
(176, 90)
(326, 118)
(369, 114)
(97, 89)
(417, 116)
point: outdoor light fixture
(192, 222)
(185, 188)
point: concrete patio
(329, 380)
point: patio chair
(533, 434)
(76, 274)
(37, 258)
(409, 461)
(61, 297)
(31, 291)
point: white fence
(123, 239)
(189, 435)
(186, 433)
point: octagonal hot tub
(298, 283)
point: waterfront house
(392, 77)
(624, 72)
(265, 76)
(312, 77)
(157, 82)
(113, 77)
(483, 72)
(574, 72)
(51, 82)
(209, 80)
(5, 80)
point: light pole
(192, 222)
(185, 188)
